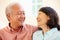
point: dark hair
(53, 22)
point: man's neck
(15, 28)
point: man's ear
(8, 17)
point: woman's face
(42, 18)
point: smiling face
(42, 19)
(17, 15)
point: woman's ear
(48, 18)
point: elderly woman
(47, 20)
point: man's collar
(11, 29)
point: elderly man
(16, 30)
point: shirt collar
(51, 31)
(11, 29)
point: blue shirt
(53, 34)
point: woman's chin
(40, 24)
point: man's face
(17, 15)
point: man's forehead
(17, 7)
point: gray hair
(9, 8)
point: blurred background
(30, 7)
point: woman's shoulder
(38, 32)
(57, 34)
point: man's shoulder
(2, 32)
(3, 29)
